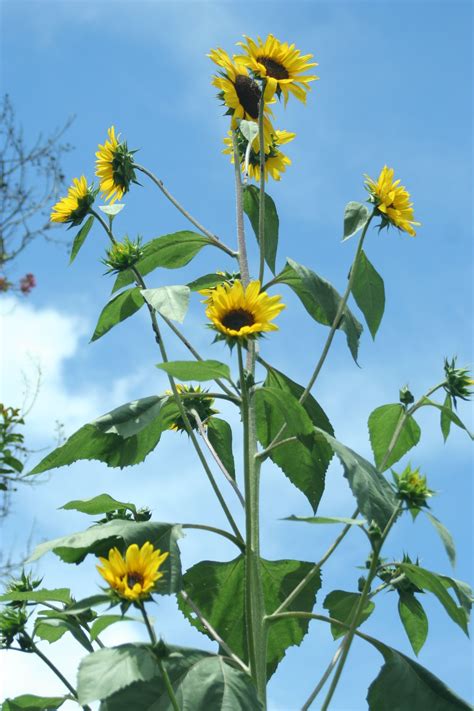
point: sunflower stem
(261, 211)
(164, 673)
(243, 259)
(54, 669)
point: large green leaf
(200, 370)
(103, 503)
(169, 251)
(383, 422)
(375, 497)
(414, 620)
(170, 301)
(369, 292)
(356, 215)
(201, 681)
(219, 433)
(403, 685)
(98, 540)
(118, 309)
(321, 301)
(342, 606)
(56, 624)
(122, 437)
(30, 702)
(80, 238)
(218, 591)
(251, 204)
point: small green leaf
(57, 625)
(112, 210)
(321, 301)
(249, 130)
(200, 370)
(169, 252)
(356, 215)
(170, 301)
(414, 620)
(103, 503)
(118, 309)
(326, 519)
(220, 436)
(445, 419)
(80, 238)
(50, 631)
(446, 538)
(383, 422)
(251, 204)
(44, 595)
(207, 281)
(448, 416)
(30, 702)
(369, 292)
(104, 621)
(342, 605)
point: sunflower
(239, 92)
(280, 64)
(75, 206)
(134, 576)
(240, 314)
(201, 404)
(392, 201)
(275, 160)
(114, 167)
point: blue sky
(395, 88)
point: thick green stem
(242, 254)
(164, 673)
(261, 212)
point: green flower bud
(412, 488)
(458, 381)
(123, 255)
(406, 397)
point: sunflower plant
(250, 609)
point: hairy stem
(261, 211)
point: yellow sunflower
(281, 64)
(392, 201)
(75, 206)
(133, 577)
(114, 167)
(240, 314)
(239, 92)
(275, 161)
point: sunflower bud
(412, 488)
(123, 255)
(397, 579)
(201, 404)
(406, 397)
(12, 626)
(458, 381)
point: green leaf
(87, 603)
(375, 497)
(326, 519)
(436, 584)
(249, 129)
(383, 422)
(414, 620)
(218, 591)
(272, 402)
(55, 627)
(170, 252)
(104, 621)
(30, 702)
(446, 538)
(321, 301)
(445, 419)
(356, 215)
(251, 204)
(208, 281)
(118, 309)
(103, 503)
(219, 433)
(100, 439)
(342, 606)
(50, 631)
(80, 238)
(44, 595)
(200, 370)
(98, 540)
(448, 416)
(170, 301)
(404, 684)
(369, 292)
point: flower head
(392, 201)
(201, 404)
(114, 167)
(239, 314)
(275, 160)
(133, 577)
(280, 64)
(75, 206)
(458, 381)
(123, 255)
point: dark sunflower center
(237, 319)
(249, 94)
(133, 579)
(274, 69)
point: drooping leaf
(404, 684)
(251, 204)
(369, 292)
(104, 621)
(446, 537)
(31, 702)
(321, 301)
(356, 215)
(99, 539)
(445, 419)
(375, 497)
(118, 309)
(170, 301)
(383, 423)
(80, 238)
(326, 519)
(57, 624)
(103, 503)
(414, 620)
(342, 606)
(44, 595)
(218, 591)
(220, 436)
(169, 252)
(200, 370)
(101, 439)
(207, 281)
(448, 416)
